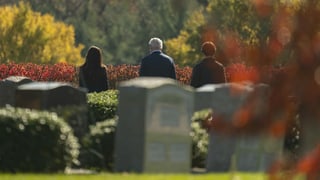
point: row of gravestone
(23, 92)
(19, 91)
(153, 132)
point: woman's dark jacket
(94, 79)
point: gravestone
(8, 88)
(256, 153)
(46, 95)
(58, 97)
(309, 137)
(226, 100)
(154, 125)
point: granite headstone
(154, 125)
(58, 97)
(8, 88)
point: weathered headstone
(46, 95)
(226, 100)
(8, 88)
(56, 96)
(309, 137)
(154, 125)
(256, 153)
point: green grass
(114, 176)
(132, 176)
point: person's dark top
(208, 71)
(95, 80)
(157, 64)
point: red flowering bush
(116, 73)
(58, 72)
(239, 72)
(184, 74)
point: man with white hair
(157, 64)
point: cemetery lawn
(115, 176)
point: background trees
(230, 24)
(240, 29)
(28, 36)
(123, 28)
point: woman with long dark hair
(93, 73)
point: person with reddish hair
(93, 73)
(208, 70)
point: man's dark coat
(157, 64)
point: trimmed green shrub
(200, 138)
(98, 146)
(35, 141)
(102, 105)
(75, 116)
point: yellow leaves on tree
(182, 48)
(179, 49)
(28, 36)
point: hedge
(102, 105)
(35, 141)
